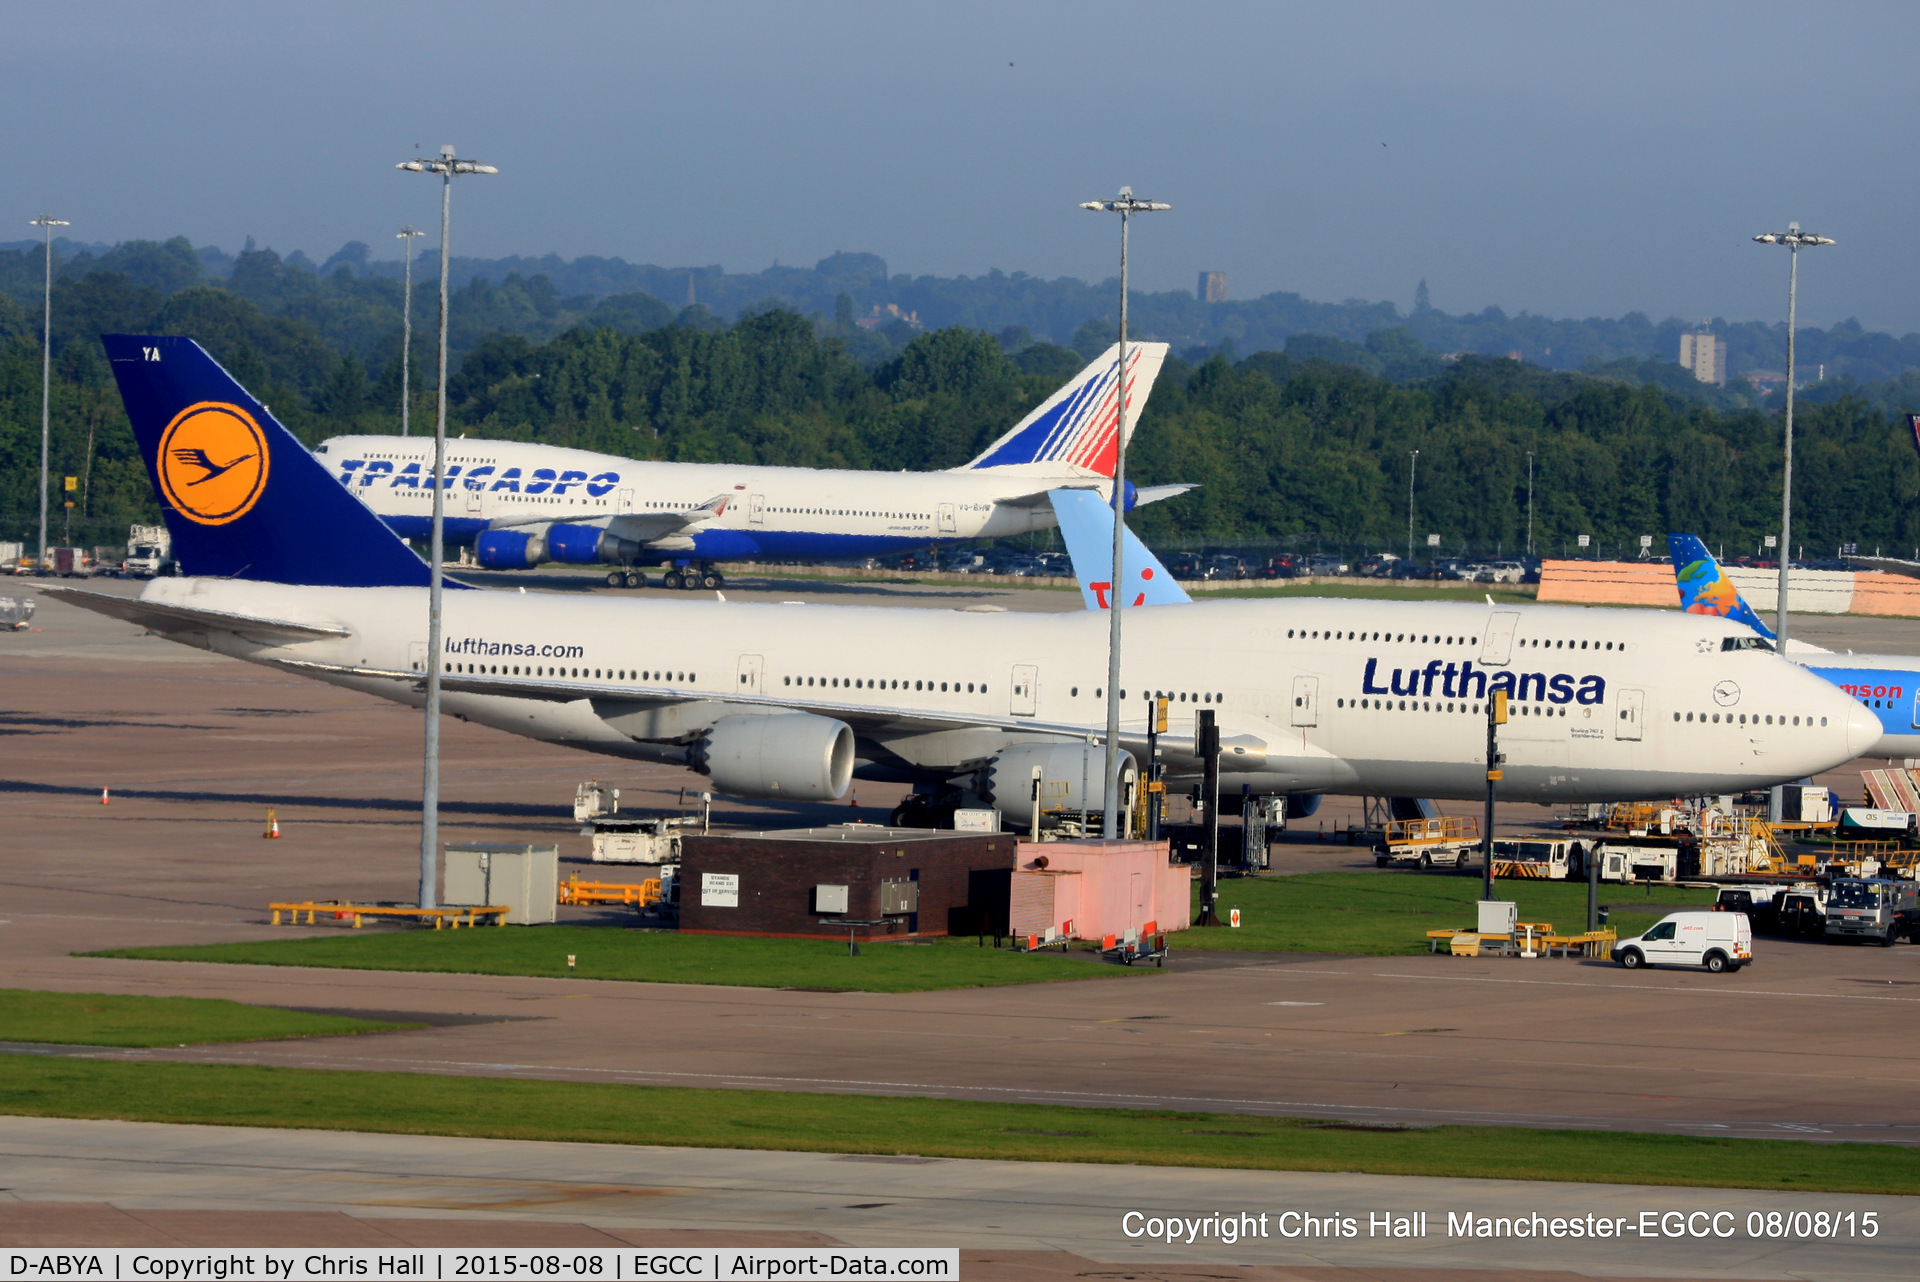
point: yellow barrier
(641, 894)
(340, 910)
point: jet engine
(788, 754)
(1064, 768)
(511, 549)
(588, 545)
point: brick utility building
(804, 883)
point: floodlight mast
(1793, 238)
(406, 235)
(49, 222)
(446, 165)
(1126, 205)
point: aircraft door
(417, 655)
(626, 501)
(473, 500)
(947, 524)
(1496, 648)
(751, 668)
(1626, 722)
(756, 509)
(1024, 697)
(1306, 701)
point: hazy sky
(1572, 160)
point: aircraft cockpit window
(1745, 643)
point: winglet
(241, 497)
(1087, 524)
(1705, 587)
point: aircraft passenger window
(916, 685)
(1676, 716)
(1796, 721)
(1076, 689)
(1339, 703)
(1823, 721)
(943, 685)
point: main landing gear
(626, 579)
(693, 577)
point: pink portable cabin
(1092, 889)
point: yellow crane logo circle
(212, 463)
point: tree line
(1297, 450)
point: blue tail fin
(1705, 587)
(1086, 521)
(242, 498)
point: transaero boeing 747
(519, 505)
(793, 701)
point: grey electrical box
(1498, 916)
(899, 897)
(523, 879)
(830, 899)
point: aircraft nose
(1863, 728)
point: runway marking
(1651, 988)
(1296, 1003)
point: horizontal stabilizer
(169, 618)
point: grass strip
(508, 1108)
(1390, 914)
(661, 957)
(114, 1019)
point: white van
(1718, 941)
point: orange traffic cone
(855, 803)
(273, 825)
(103, 796)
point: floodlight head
(48, 220)
(413, 166)
(1768, 239)
(408, 232)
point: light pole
(1126, 206)
(1529, 505)
(1793, 238)
(446, 166)
(406, 235)
(1412, 467)
(49, 222)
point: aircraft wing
(634, 527)
(169, 618)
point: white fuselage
(776, 512)
(1311, 695)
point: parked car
(1321, 563)
(1022, 567)
(1284, 566)
(1501, 572)
(1717, 941)
(1181, 565)
(1376, 567)
(1224, 567)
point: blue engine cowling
(510, 549)
(575, 544)
(588, 545)
(1301, 805)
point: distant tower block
(1212, 288)
(1706, 356)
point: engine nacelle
(511, 549)
(1007, 782)
(588, 545)
(788, 754)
